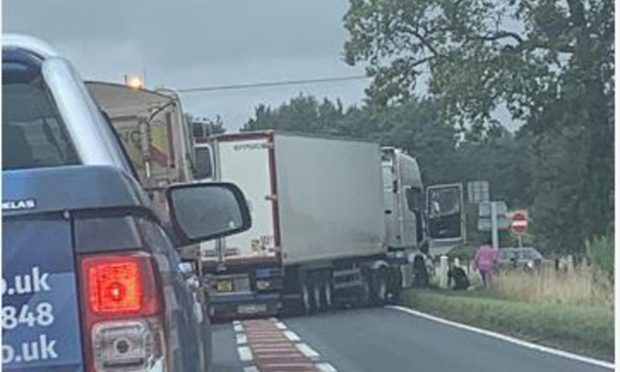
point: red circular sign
(519, 223)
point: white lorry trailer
(333, 220)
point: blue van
(91, 280)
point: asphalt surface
(388, 340)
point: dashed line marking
(238, 328)
(326, 367)
(245, 354)
(291, 336)
(241, 338)
(280, 325)
(250, 369)
(307, 350)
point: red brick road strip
(272, 350)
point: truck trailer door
(248, 162)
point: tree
(549, 62)
(301, 114)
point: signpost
(492, 217)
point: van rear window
(33, 133)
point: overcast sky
(194, 43)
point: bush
(600, 251)
(463, 252)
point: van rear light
(122, 312)
(119, 284)
(115, 286)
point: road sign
(484, 209)
(478, 191)
(519, 222)
(503, 223)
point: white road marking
(241, 338)
(250, 369)
(245, 354)
(238, 328)
(307, 350)
(291, 336)
(325, 367)
(280, 325)
(506, 338)
(236, 322)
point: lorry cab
(91, 278)
(153, 130)
(416, 228)
(403, 195)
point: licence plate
(225, 286)
(251, 309)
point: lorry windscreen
(33, 133)
(203, 168)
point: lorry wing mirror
(204, 211)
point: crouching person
(457, 278)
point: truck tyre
(379, 287)
(327, 291)
(364, 291)
(420, 275)
(395, 280)
(317, 290)
(307, 295)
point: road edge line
(503, 337)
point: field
(581, 286)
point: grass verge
(583, 329)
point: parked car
(91, 278)
(524, 258)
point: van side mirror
(204, 211)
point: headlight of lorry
(262, 284)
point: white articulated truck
(331, 223)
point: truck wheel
(307, 295)
(326, 298)
(317, 290)
(363, 294)
(395, 280)
(379, 287)
(420, 275)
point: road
(378, 340)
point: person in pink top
(485, 260)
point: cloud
(197, 43)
